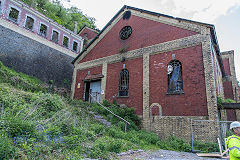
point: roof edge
(96, 37)
(211, 26)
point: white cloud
(205, 10)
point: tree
(64, 16)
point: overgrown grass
(20, 80)
(38, 125)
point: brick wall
(152, 33)
(88, 32)
(182, 127)
(193, 101)
(226, 67)
(81, 74)
(135, 83)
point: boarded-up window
(123, 84)
(55, 36)
(29, 23)
(13, 14)
(75, 46)
(43, 30)
(65, 41)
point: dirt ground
(161, 155)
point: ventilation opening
(127, 15)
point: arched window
(175, 82)
(123, 83)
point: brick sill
(122, 96)
(175, 93)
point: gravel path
(161, 155)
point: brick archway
(155, 110)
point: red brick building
(161, 65)
(230, 84)
(88, 34)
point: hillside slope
(36, 124)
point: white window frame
(34, 21)
(58, 35)
(77, 46)
(19, 13)
(40, 23)
(64, 35)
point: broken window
(29, 23)
(65, 41)
(43, 30)
(55, 36)
(13, 14)
(75, 46)
(175, 82)
(123, 83)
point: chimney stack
(75, 28)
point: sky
(223, 14)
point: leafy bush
(17, 127)
(20, 80)
(175, 144)
(221, 100)
(97, 128)
(149, 138)
(103, 146)
(206, 147)
(126, 113)
(6, 148)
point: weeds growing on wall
(221, 100)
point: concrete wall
(34, 58)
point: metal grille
(123, 82)
(125, 32)
(175, 82)
(207, 132)
(127, 15)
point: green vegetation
(206, 147)
(63, 16)
(38, 125)
(20, 81)
(221, 100)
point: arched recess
(153, 108)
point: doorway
(93, 91)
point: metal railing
(125, 121)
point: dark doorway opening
(87, 91)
